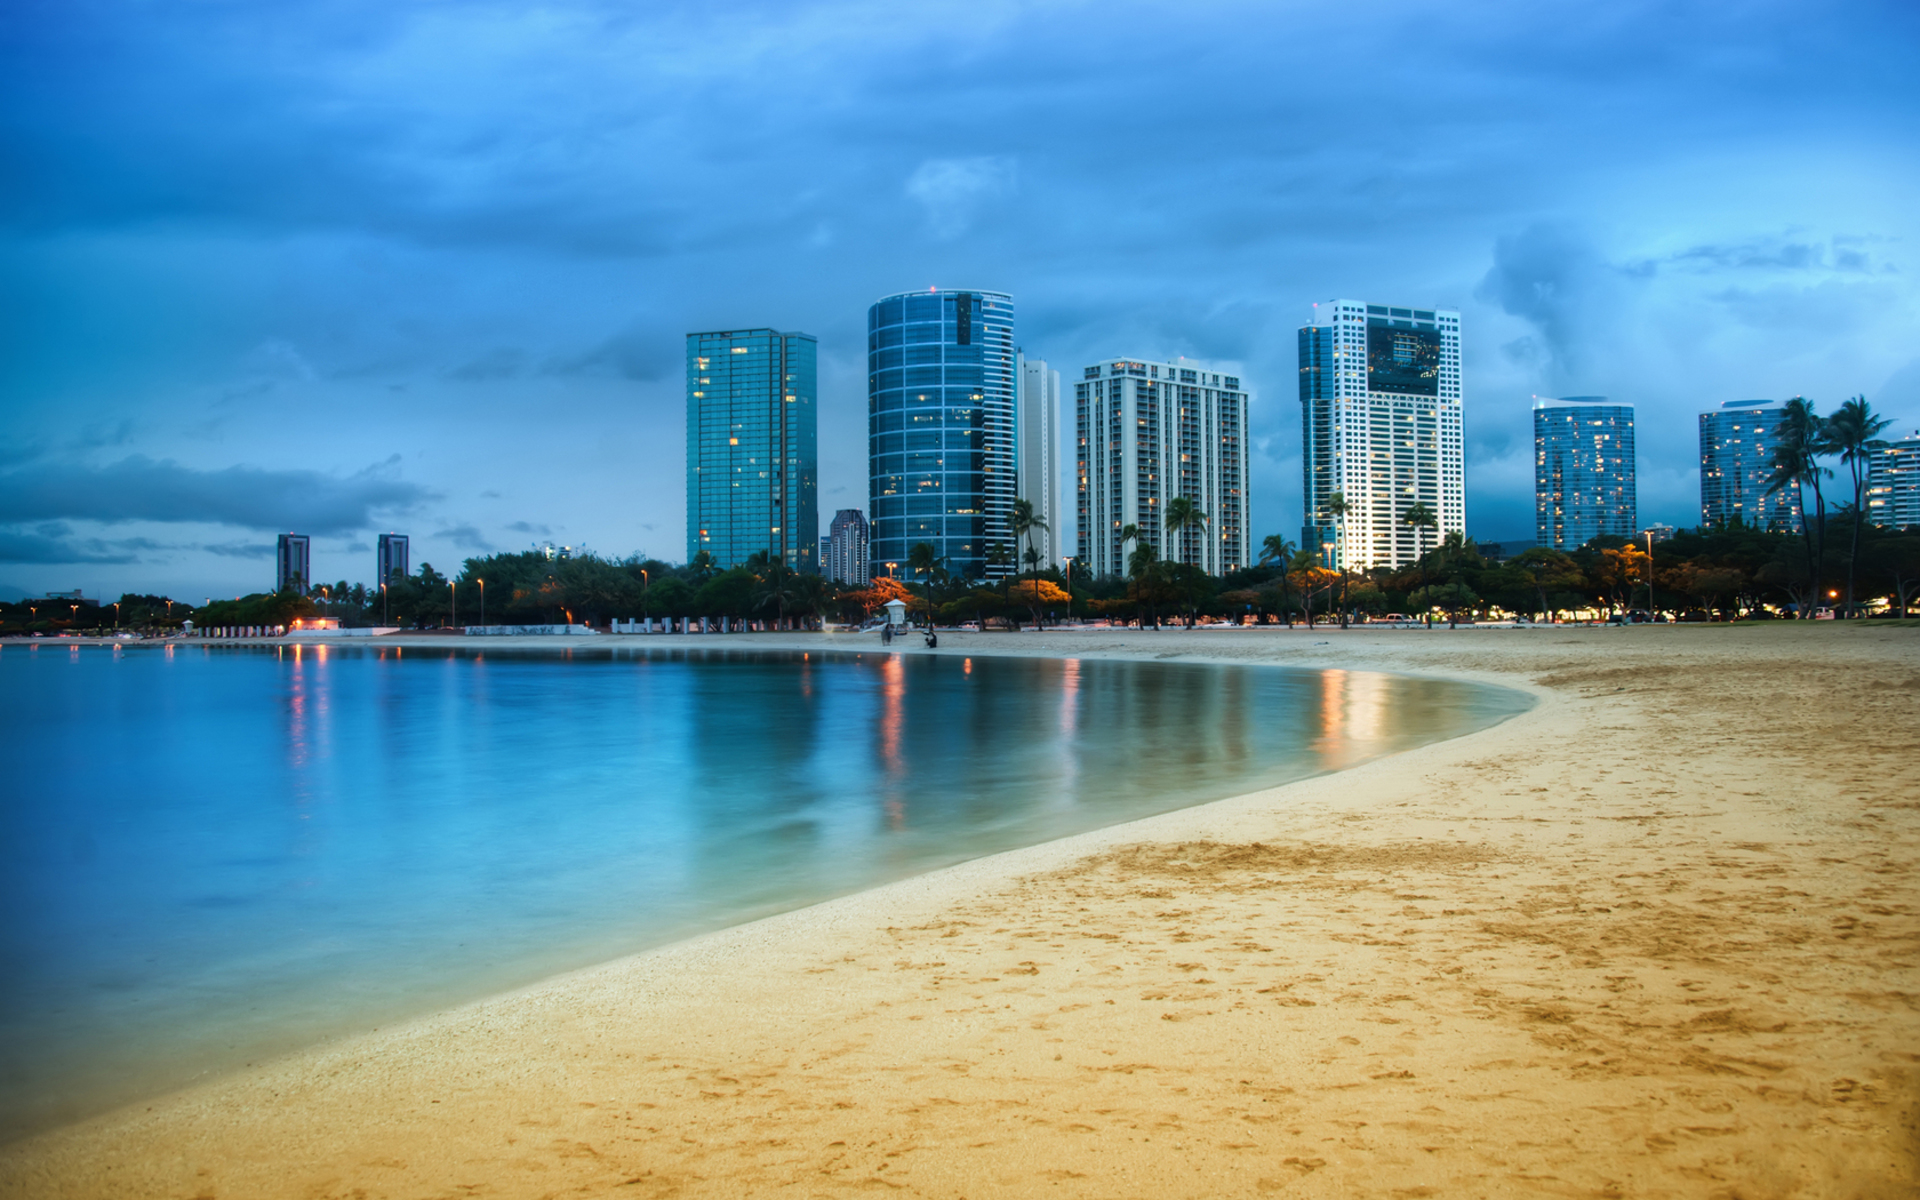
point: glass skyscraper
(752, 466)
(1736, 456)
(1583, 471)
(940, 393)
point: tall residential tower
(391, 558)
(846, 554)
(1148, 432)
(752, 468)
(1736, 457)
(941, 392)
(1037, 438)
(1583, 471)
(1380, 414)
(293, 563)
(1893, 483)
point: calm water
(210, 855)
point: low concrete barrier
(531, 630)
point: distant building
(1148, 432)
(1380, 417)
(941, 397)
(1659, 533)
(1038, 450)
(1736, 456)
(391, 558)
(752, 465)
(846, 553)
(1583, 471)
(293, 563)
(1893, 484)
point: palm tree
(1025, 523)
(1419, 517)
(1800, 437)
(1275, 548)
(923, 559)
(1129, 533)
(1338, 508)
(1851, 431)
(777, 586)
(1182, 515)
(701, 566)
(999, 554)
(1143, 566)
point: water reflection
(282, 845)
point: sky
(345, 266)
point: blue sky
(348, 266)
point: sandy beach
(1655, 937)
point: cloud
(530, 527)
(240, 549)
(17, 546)
(139, 488)
(952, 190)
(466, 537)
(1553, 277)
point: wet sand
(1656, 937)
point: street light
(483, 600)
(453, 605)
(383, 605)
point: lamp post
(116, 615)
(1649, 575)
(383, 605)
(1069, 562)
(483, 600)
(453, 605)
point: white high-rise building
(1893, 483)
(1380, 414)
(1037, 463)
(1148, 432)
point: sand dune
(1656, 937)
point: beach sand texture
(1656, 937)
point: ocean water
(211, 855)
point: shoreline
(790, 998)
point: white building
(1893, 483)
(1146, 433)
(1037, 466)
(1380, 413)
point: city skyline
(437, 276)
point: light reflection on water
(209, 855)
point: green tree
(1024, 524)
(1338, 508)
(1800, 436)
(1277, 549)
(1418, 518)
(1548, 570)
(1851, 431)
(926, 562)
(1183, 516)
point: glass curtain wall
(752, 459)
(940, 389)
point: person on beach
(933, 639)
(886, 634)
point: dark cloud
(138, 488)
(18, 546)
(1553, 277)
(466, 537)
(530, 528)
(240, 549)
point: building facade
(1893, 484)
(1147, 432)
(293, 563)
(1583, 471)
(1037, 443)
(752, 463)
(1382, 426)
(391, 558)
(1736, 456)
(941, 398)
(846, 560)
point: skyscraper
(1148, 432)
(752, 467)
(1736, 456)
(1893, 483)
(391, 558)
(1038, 442)
(846, 560)
(292, 563)
(1583, 471)
(941, 392)
(1380, 415)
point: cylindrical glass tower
(940, 396)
